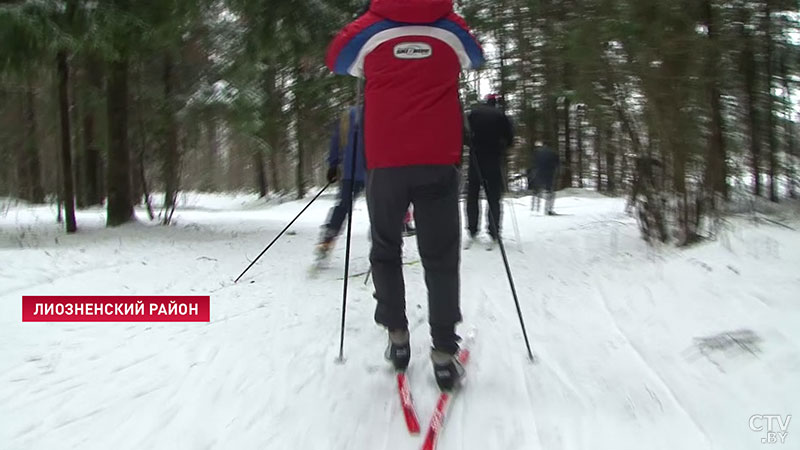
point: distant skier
(346, 138)
(491, 135)
(411, 53)
(542, 177)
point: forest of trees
(686, 102)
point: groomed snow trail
(615, 328)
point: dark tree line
(676, 103)
(104, 102)
(694, 94)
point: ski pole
(283, 231)
(516, 225)
(369, 272)
(474, 160)
(359, 93)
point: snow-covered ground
(636, 348)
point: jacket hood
(412, 11)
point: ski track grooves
(51, 280)
(532, 400)
(520, 367)
(654, 373)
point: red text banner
(116, 308)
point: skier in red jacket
(411, 53)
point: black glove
(333, 174)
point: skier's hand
(333, 174)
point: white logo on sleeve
(412, 50)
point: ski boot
(471, 240)
(447, 369)
(323, 250)
(398, 352)
(325, 245)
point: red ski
(408, 405)
(437, 420)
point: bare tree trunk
(753, 124)
(302, 139)
(171, 155)
(716, 158)
(142, 188)
(549, 61)
(271, 118)
(284, 165)
(566, 166)
(145, 189)
(611, 156)
(598, 151)
(789, 126)
(300, 179)
(793, 158)
(137, 133)
(501, 40)
(212, 156)
(771, 136)
(59, 193)
(261, 174)
(78, 164)
(137, 190)
(528, 112)
(236, 163)
(120, 203)
(7, 170)
(624, 174)
(679, 184)
(66, 141)
(579, 137)
(302, 134)
(30, 167)
(137, 129)
(92, 158)
(274, 170)
(23, 181)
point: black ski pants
(433, 190)
(489, 164)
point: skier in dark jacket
(542, 176)
(491, 135)
(411, 53)
(346, 139)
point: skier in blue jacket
(347, 139)
(542, 177)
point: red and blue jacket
(411, 53)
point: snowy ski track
(616, 329)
